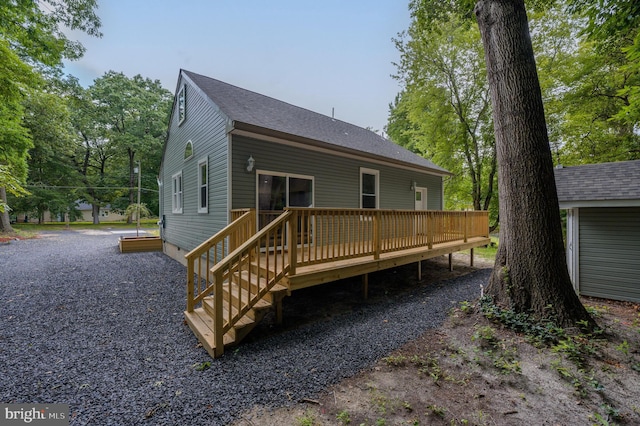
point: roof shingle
(604, 181)
(245, 106)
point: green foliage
(443, 110)
(343, 417)
(544, 331)
(202, 366)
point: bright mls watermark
(34, 414)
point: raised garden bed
(135, 244)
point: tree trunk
(530, 274)
(5, 221)
(95, 212)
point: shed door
(609, 253)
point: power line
(85, 187)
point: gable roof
(619, 181)
(252, 111)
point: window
(182, 105)
(369, 188)
(176, 192)
(203, 187)
(188, 150)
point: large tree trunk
(95, 213)
(5, 222)
(530, 273)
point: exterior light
(413, 185)
(250, 163)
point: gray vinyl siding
(206, 128)
(336, 178)
(609, 253)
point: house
(259, 198)
(107, 214)
(603, 227)
(230, 148)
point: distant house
(107, 214)
(230, 148)
(603, 227)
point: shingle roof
(604, 181)
(244, 106)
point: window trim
(376, 173)
(203, 161)
(177, 194)
(182, 104)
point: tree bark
(530, 273)
(5, 221)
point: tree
(530, 273)
(32, 36)
(133, 113)
(15, 141)
(48, 120)
(443, 111)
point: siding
(337, 179)
(610, 252)
(206, 128)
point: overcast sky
(314, 54)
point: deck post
(471, 261)
(365, 286)
(430, 226)
(466, 226)
(190, 284)
(217, 318)
(451, 262)
(292, 228)
(377, 243)
(419, 270)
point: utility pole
(139, 207)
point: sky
(319, 55)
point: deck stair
(239, 275)
(234, 293)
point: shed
(603, 227)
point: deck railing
(257, 261)
(325, 235)
(204, 257)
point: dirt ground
(472, 371)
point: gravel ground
(84, 325)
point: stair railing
(256, 266)
(201, 259)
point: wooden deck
(237, 275)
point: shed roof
(245, 107)
(599, 182)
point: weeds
(343, 417)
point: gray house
(603, 227)
(229, 148)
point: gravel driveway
(82, 324)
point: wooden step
(201, 324)
(208, 305)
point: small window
(176, 192)
(369, 188)
(182, 105)
(203, 187)
(188, 150)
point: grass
(24, 231)
(488, 252)
(58, 226)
